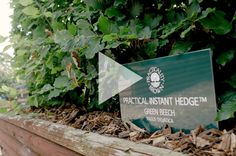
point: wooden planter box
(24, 136)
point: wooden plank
(13, 147)
(40, 145)
(83, 142)
(6, 150)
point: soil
(199, 142)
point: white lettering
(151, 111)
(160, 100)
(187, 101)
(164, 120)
(167, 112)
(168, 101)
(151, 118)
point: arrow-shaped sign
(113, 78)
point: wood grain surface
(25, 136)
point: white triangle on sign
(113, 78)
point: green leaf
(46, 88)
(84, 28)
(57, 26)
(82, 24)
(120, 2)
(145, 33)
(113, 12)
(225, 57)
(94, 46)
(205, 13)
(234, 32)
(92, 71)
(130, 36)
(48, 14)
(110, 37)
(193, 9)
(96, 4)
(49, 62)
(39, 32)
(61, 82)
(5, 88)
(106, 26)
(62, 37)
(152, 22)
(136, 9)
(151, 48)
(171, 28)
(180, 47)
(234, 18)
(33, 101)
(3, 110)
(232, 81)
(228, 108)
(114, 44)
(54, 93)
(125, 33)
(186, 31)
(26, 2)
(56, 69)
(6, 48)
(72, 28)
(21, 52)
(2, 39)
(217, 22)
(31, 11)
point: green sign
(175, 90)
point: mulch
(199, 142)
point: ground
(199, 142)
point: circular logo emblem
(155, 79)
